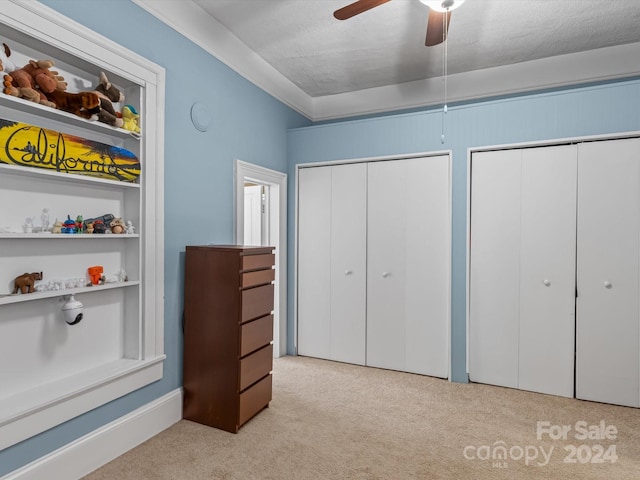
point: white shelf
(29, 297)
(68, 118)
(69, 372)
(62, 176)
(79, 388)
(69, 236)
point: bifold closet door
(522, 269)
(546, 337)
(314, 262)
(608, 350)
(332, 262)
(408, 265)
(494, 290)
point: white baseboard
(99, 447)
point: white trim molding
(99, 447)
(598, 65)
(244, 171)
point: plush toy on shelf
(6, 67)
(108, 90)
(131, 117)
(35, 80)
(109, 94)
(84, 104)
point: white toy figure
(28, 225)
(130, 230)
(45, 220)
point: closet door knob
(547, 283)
(348, 272)
(607, 284)
(385, 274)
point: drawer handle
(348, 272)
(607, 284)
(386, 274)
(547, 283)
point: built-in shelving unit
(53, 371)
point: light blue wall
(602, 109)
(252, 126)
(248, 124)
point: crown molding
(603, 64)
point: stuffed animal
(108, 93)
(130, 117)
(37, 77)
(6, 67)
(83, 104)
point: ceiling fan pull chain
(444, 73)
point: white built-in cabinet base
(374, 264)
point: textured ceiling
(385, 46)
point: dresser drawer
(255, 262)
(255, 366)
(256, 302)
(254, 399)
(258, 277)
(255, 334)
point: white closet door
(386, 245)
(494, 290)
(547, 270)
(428, 262)
(408, 265)
(607, 354)
(348, 262)
(314, 262)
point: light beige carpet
(330, 420)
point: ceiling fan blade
(357, 7)
(435, 33)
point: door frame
(248, 172)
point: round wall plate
(200, 116)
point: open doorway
(261, 219)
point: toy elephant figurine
(26, 281)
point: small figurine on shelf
(28, 225)
(130, 230)
(95, 273)
(26, 282)
(99, 227)
(89, 228)
(79, 224)
(45, 220)
(100, 223)
(69, 225)
(57, 227)
(117, 226)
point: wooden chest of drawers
(228, 330)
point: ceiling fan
(437, 24)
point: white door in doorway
(269, 198)
(255, 225)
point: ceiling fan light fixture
(442, 5)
